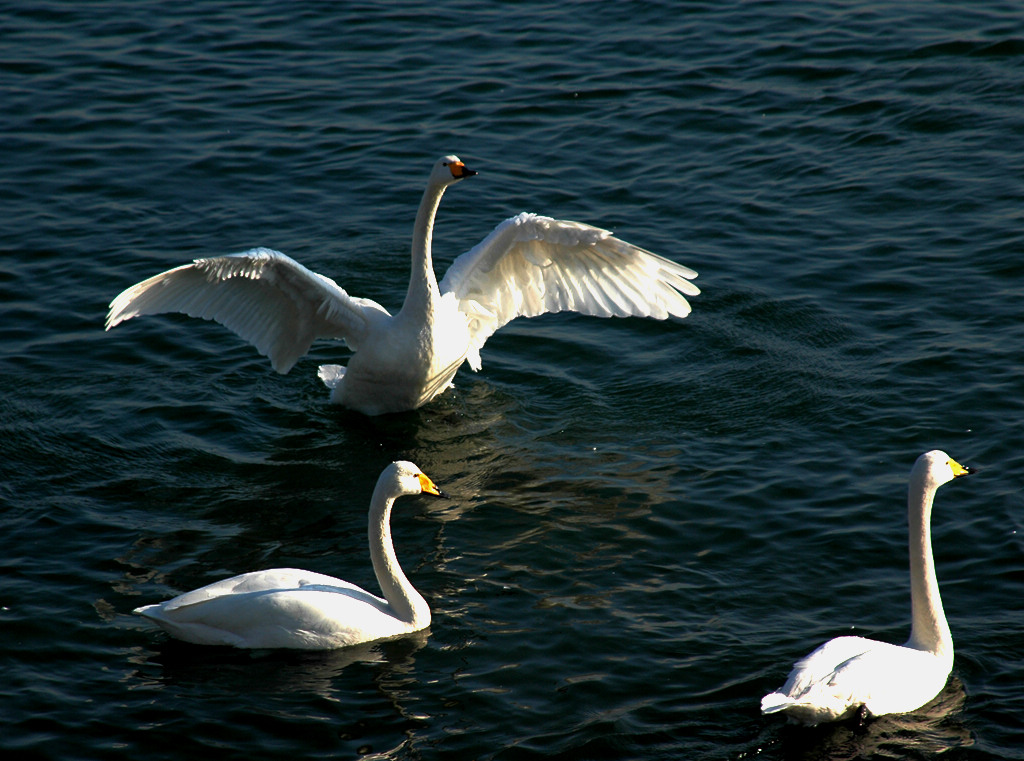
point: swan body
(292, 608)
(851, 674)
(528, 265)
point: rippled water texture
(649, 521)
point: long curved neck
(406, 603)
(930, 631)
(422, 282)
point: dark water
(650, 521)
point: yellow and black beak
(960, 470)
(459, 170)
(429, 487)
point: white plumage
(529, 265)
(292, 608)
(850, 674)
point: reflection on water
(932, 729)
(176, 663)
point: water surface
(649, 521)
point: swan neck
(423, 288)
(930, 631)
(406, 603)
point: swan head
(936, 468)
(449, 169)
(402, 478)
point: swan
(292, 608)
(849, 675)
(528, 265)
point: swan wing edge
(265, 297)
(531, 265)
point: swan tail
(774, 702)
(331, 375)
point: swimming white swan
(851, 674)
(291, 608)
(528, 265)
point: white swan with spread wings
(527, 266)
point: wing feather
(267, 298)
(530, 265)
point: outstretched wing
(530, 265)
(267, 298)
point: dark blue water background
(650, 521)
